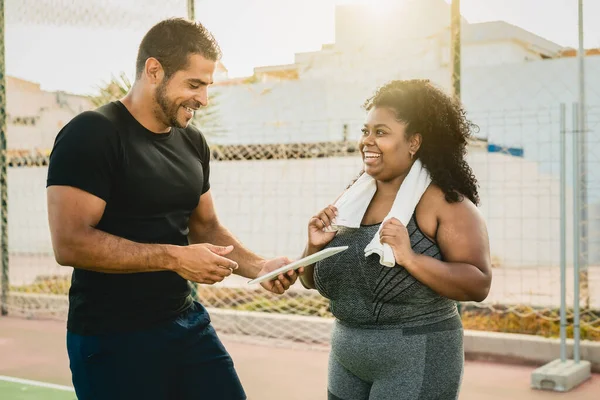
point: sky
(76, 46)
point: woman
(397, 333)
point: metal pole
(455, 47)
(191, 10)
(3, 178)
(576, 232)
(583, 161)
(563, 234)
(192, 17)
(455, 59)
(581, 193)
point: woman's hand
(395, 234)
(317, 237)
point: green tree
(206, 119)
(112, 90)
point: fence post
(3, 177)
(455, 45)
(191, 14)
(576, 224)
(563, 233)
(191, 10)
(455, 57)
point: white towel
(353, 204)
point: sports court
(35, 350)
(282, 123)
(21, 389)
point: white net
(283, 141)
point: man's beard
(167, 111)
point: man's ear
(154, 71)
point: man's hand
(283, 281)
(203, 263)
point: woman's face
(385, 150)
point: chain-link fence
(283, 142)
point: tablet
(303, 262)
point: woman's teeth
(372, 155)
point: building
(35, 116)
(319, 96)
(513, 84)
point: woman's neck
(391, 187)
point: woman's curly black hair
(442, 123)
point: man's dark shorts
(183, 359)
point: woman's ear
(414, 143)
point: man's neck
(141, 105)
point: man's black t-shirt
(151, 184)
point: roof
(235, 81)
(494, 31)
(276, 68)
(569, 52)
(221, 67)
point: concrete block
(561, 376)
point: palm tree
(112, 90)
(206, 119)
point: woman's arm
(317, 240)
(307, 279)
(465, 274)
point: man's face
(185, 92)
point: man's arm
(73, 215)
(205, 227)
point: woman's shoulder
(434, 198)
(432, 201)
(434, 208)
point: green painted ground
(20, 391)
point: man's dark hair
(171, 42)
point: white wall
(486, 91)
(491, 53)
(51, 111)
(41, 135)
(518, 106)
(23, 136)
(514, 105)
(268, 204)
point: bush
(517, 319)
(51, 284)
(526, 320)
(304, 303)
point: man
(130, 209)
